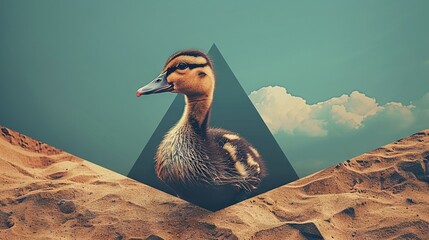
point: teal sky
(69, 69)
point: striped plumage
(207, 166)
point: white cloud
(283, 112)
(293, 115)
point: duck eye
(182, 66)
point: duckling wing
(243, 164)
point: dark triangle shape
(232, 110)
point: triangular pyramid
(232, 110)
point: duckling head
(188, 72)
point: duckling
(210, 167)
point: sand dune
(46, 193)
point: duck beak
(158, 85)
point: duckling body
(203, 165)
(207, 168)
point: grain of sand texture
(46, 193)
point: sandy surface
(49, 194)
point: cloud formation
(284, 112)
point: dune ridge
(46, 193)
